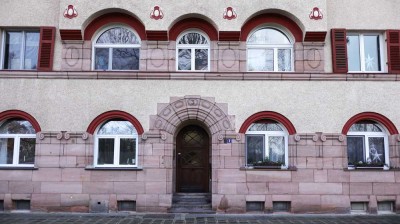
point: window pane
(268, 36)
(365, 128)
(17, 127)
(6, 150)
(118, 35)
(201, 59)
(371, 51)
(12, 54)
(184, 59)
(353, 53)
(276, 148)
(27, 151)
(355, 149)
(31, 50)
(117, 128)
(265, 127)
(284, 60)
(106, 151)
(255, 148)
(127, 152)
(376, 150)
(101, 58)
(125, 59)
(193, 38)
(260, 59)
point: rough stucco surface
(70, 105)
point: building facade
(266, 106)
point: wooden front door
(192, 170)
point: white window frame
(3, 48)
(17, 143)
(192, 48)
(274, 47)
(111, 46)
(267, 134)
(362, 51)
(367, 135)
(117, 139)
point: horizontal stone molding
(63, 135)
(289, 76)
(319, 136)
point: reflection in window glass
(276, 148)
(201, 59)
(125, 59)
(21, 50)
(371, 51)
(12, 54)
(260, 59)
(6, 150)
(268, 36)
(363, 52)
(127, 154)
(193, 52)
(184, 59)
(117, 128)
(31, 50)
(355, 146)
(353, 53)
(27, 150)
(376, 149)
(13, 126)
(284, 60)
(106, 151)
(255, 148)
(265, 127)
(101, 58)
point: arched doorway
(192, 160)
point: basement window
(22, 205)
(127, 206)
(1, 205)
(281, 206)
(359, 207)
(255, 206)
(385, 207)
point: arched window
(17, 143)
(193, 52)
(116, 143)
(266, 144)
(367, 145)
(116, 48)
(269, 49)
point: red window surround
(18, 114)
(109, 18)
(265, 115)
(193, 23)
(114, 114)
(271, 18)
(370, 116)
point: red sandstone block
(98, 187)
(333, 151)
(152, 175)
(270, 176)
(147, 200)
(283, 188)
(21, 187)
(47, 174)
(16, 175)
(255, 198)
(48, 161)
(241, 188)
(126, 197)
(303, 175)
(397, 176)
(278, 197)
(4, 187)
(165, 200)
(75, 174)
(359, 198)
(301, 162)
(307, 150)
(151, 161)
(75, 150)
(129, 187)
(361, 188)
(257, 188)
(74, 200)
(155, 188)
(328, 163)
(61, 187)
(306, 203)
(320, 175)
(68, 161)
(49, 150)
(231, 176)
(238, 201)
(335, 203)
(232, 162)
(338, 176)
(312, 162)
(386, 188)
(113, 175)
(45, 200)
(320, 188)
(372, 176)
(227, 188)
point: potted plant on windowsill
(268, 164)
(367, 165)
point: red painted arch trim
(114, 114)
(109, 18)
(268, 115)
(193, 23)
(372, 116)
(9, 114)
(272, 18)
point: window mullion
(366, 142)
(22, 55)
(266, 146)
(16, 150)
(110, 58)
(362, 53)
(192, 59)
(116, 150)
(276, 59)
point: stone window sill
(291, 168)
(114, 168)
(370, 169)
(18, 168)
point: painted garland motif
(229, 13)
(70, 12)
(156, 13)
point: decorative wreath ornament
(70, 12)
(156, 13)
(229, 13)
(316, 14)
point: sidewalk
(143, 218)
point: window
(193, 52)
(367, 145)
(117, 48)
(21, 49)
(269, 49)
(116, 144)
(364, 52)
(266, 144)
(17, 143)
(359, 207)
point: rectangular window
(106, 151)
(21, 50)
(385, 207)
(364, 52)
(127, 155)
(281, 206)
(22, 204)
(1, 205)
(127, 206)
(255, 148)
(255, 206)
(359, 207)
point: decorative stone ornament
(316, 14)
(156, 13)
(229, 13)
(70, 12)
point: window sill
(114, 168)
(370, 169)
(266, 168)
(18, 168)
